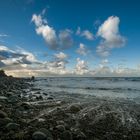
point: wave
(94, 88)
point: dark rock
(60, 127)
(13, 99)
(67, 135)
(32, 78)
(5, 121)
(3, 98)
(2, 73)
(45, 93)
(38, 135)
(12, 126)
(81, 136)
(25, 105)
(50, 98)
(0, 106)
(2, 114)
(47, 132)
(74, 108)
(39, 97)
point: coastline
(24, 114)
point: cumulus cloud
(37, 19)
(81, 67)
(20, 61)
(20, 57)
(109, 32)
(61, 56)
(82, 50)
(103, 63)
(54, 41)
(85, 33)
(58, 64)
(23, 63)
(49, 35)
(65, 39)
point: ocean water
(127, 88)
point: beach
(29, 111)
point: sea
(102, 87)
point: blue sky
(86, 37)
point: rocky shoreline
(26, 115)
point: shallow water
(127, 88)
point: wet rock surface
(27, 113)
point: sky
(70, 37)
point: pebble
(45, 131)
(50, 98)
(5, 121)
(3, 98)
(81, 136)
(25, 105)
(38, 135)
(13, 99)
(12, 126)
(60, 127)
(74, 108)
(67, 135)
(2, 114)
(0, 106)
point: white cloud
(82, 50)
(58, 64)
(47, 32)
(102, 50)
(61, 56)
(16, 57)
(86, 33)
(103, 63)
(109, 31)
(3, 48)
(81, 67)
(49, 35)
(65, 39)
(37, 19)
(62, 41)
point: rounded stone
(50, 98)
(74, 108)
(38, 135)
(25, 105)
(13, 99)
(60, 127)
(67, 135)
(2, 114)
(0, 106)
(12, 126)
(5, 121)
(47, 132)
